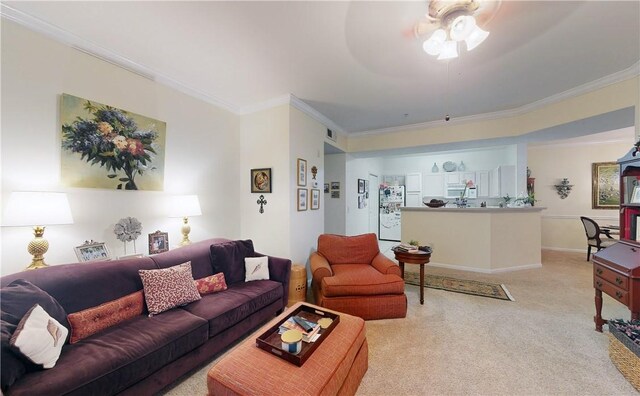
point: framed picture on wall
(605, 187)
(360, 186)
(335, 185)
(315, 199)
(335, 194)
(261, 180)
(302, 199)
(302, 172)
(326, 188)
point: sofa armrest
(280, 271)
(385, 265)
(319, 268)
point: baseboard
(557, 249)
(484, 270)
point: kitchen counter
(477, 239)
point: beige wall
(202, 149)
(561, 226)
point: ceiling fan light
(449, 50)
(462, 27)
(439, 36)
(432, 47)
(476, 38)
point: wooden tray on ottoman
(270, 340)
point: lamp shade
(37, 209)
(183, 206)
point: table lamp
(184, 206)
(37, 209)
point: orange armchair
(349, 274)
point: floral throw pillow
(211, 284)
(168, 288)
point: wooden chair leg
(588, 252)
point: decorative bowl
(435, 204)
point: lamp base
(37, 248)
(186, 229)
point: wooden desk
(616, 271)
(420, 258)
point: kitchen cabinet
(482, 183)
(414, 182)
(502, 181)
(459, 177)
(414, 199)
(393, 180)
(433, 184)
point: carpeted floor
(544, 343)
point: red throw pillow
(96, 319)
(211, 284)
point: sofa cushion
(13, 366)
(228, 257)
(39, 337)
(239, 301)
(93, 320)
(168, 288)
(256, 268)
(119, 356)
(18, 297)
(198, 253)
(211, 284)
(360, 280)
(339, 249)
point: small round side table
(418, 257)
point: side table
(418, 257)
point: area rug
(483, 289)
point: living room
(212, 143)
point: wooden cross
(262, 202)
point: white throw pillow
(256, 268)
(39, 337)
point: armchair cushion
(360, 280)
(339, 249)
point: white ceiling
(357, 63)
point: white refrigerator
(392, 198)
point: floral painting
(605, 179)
(106, 147)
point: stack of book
(310, 330)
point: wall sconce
(564, 188)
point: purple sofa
(145, 354)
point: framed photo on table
(261, 180)
(158, 242)
(302, 172)
(302, 199)
(92, 251)
(605, 190)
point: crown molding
(107, 55)
(626, 74)
(315, 114)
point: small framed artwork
(335, 185)
(335, 194)
(302, 199)
(635, 195)
(326, 188)
(605, 190)
(361, 201)
(360, 186)
(158, 242)
(261, 180)
(366, 187)
(315, 199)
(92, 251)
(302, 172)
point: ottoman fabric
(336, 366)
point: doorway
(373, 203)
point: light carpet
(459, 344)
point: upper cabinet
(414, 182)
(433, 184)
(502, 181)
(482, 183)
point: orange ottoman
(335, 368)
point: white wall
(307, 142)
(335, 208)
(265, 144)
(549, 163)
(202, 149)
(357, 220)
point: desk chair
(593, 231)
